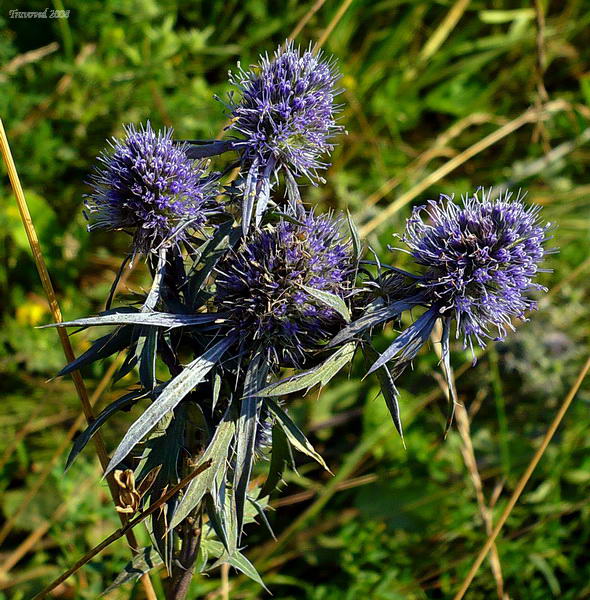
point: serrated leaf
(330, 300)
(294, 434)
(216, 452)
(144, 561)
(321, 373)
(123, 403)
(172, 394)
(150, 319)
(408, 343)
(241, 563)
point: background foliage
(425, 81)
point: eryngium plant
(233, 301)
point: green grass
(421, 88)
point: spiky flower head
(145, 183)
(286, 112)
(480, 259)
(260, 287)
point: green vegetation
(426, 84)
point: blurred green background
(426, 83)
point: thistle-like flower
(261, 287)
(146, 184)
(285, 118)
(480, 260)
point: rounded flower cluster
(260, 287)
(145, 183)
(480, 259)
(286, 112)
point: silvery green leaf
(294, 434)
(407, 344)
(330, 300)
(321, 373)
(217, 454)
(172, 394)
(254, 379)
(144, 561)
(123, 403)
(135, 317)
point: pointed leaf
(152, 319)
(217, 452)
(240, 562)
(388, 389)
(173, 393)
(254, 380)
(144, 561)
(321, 373)
(354, 235)
(123, 403)
(294, 434)
(250, 193)
(373, 316)
(209, 148)
(409, 342)
(102, 348)
(280, 455)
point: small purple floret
(480, 259)
(146, 184)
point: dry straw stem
(63, 336)
(523, 481)
(123, 530)
(529, 116)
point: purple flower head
(260, 287)
(285, 115)
(146, 183)
(480, 259)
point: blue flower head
(260, 287)
(285, 114)
(146, 184)
(480, 259)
